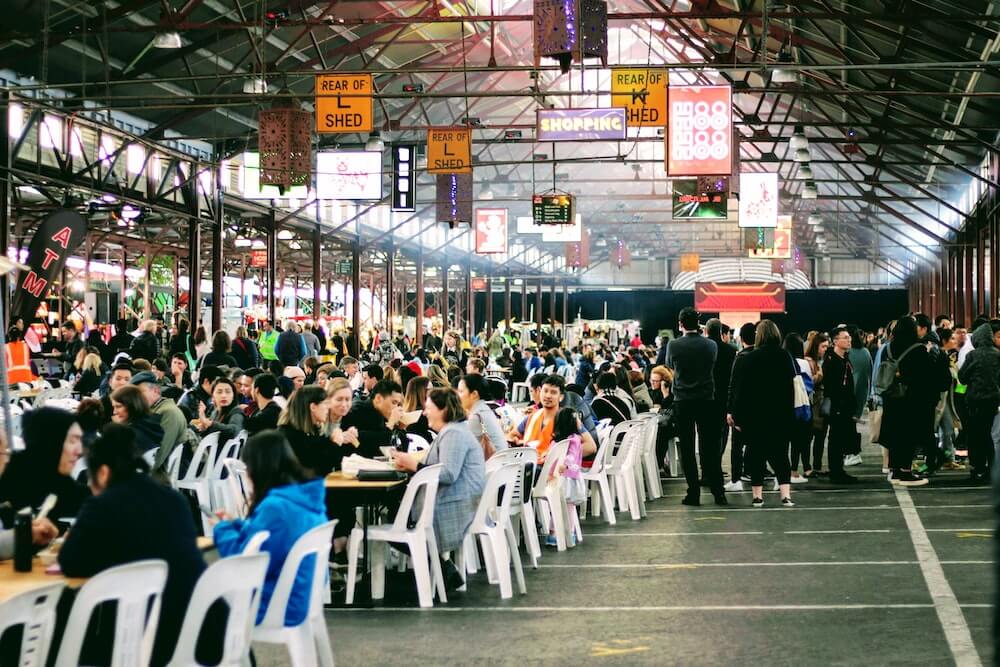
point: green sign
(552, 209)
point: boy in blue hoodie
(981, 375)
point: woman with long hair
(286, 504)
(303, 423)
(482, 420)
(220, 355)
(226, 416)
(130, 408)
(437, 375)
(801, 434)
(201, 346)
(764, 410)
(413, 400)
(341, 397)
(90, 375)
(816, 350)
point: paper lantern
(285, 145)
(454, 198)
(578, 254)
(620, 256)
(563, 34)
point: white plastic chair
(308, 642)
(197, 477)
(36, 611)
(420, 540)
(649, 465)
(254, 544)
(598, 477)
(132, 586)
(627, 482)
(238, 581)
(237, 496)
(217, 485)
(149, 456)
(492, 525)
(521, 504)
(550, 497)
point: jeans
(700, 416)
(946, 431)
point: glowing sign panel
(700, 131)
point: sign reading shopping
(344, 103)
(552, 209)
(642, 93)
(580, 125)
(699, 137)
(449, 151)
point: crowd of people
(776, 401)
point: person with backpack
(906, 385)
(980, 374)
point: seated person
(376, 418)
(265, 411)
(225, 417)
(175, 431)
(201, 393)
(130, 408)
(286, 505)
(131, 518)
(414, 400)
(53, 443)
(538, 426)
(370, 376)
(43, 531)
(607, 405)
(178, 379)
(482, 420)
(120, 376)
(303, 424)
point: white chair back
(504, 483)
(149, 456)
(315, 543)
(237, 580)
(230, 450)
(553, 458)
(36, 611)
(417, 443)
(203, 460)
(174, 464)
(256, 542)
(603, 458)
(132, 586)
(237, 488)
(426, 481)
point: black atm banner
(56, 238)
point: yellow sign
(449, 150)
(643, 94)
(344, 103)
(690, 261)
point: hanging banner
(344, 103)
(258, 259)
(404, 181)
(690, 262)
(580, 125)
(744, 297)
(578, 254)
(454, 198)
(699, 132)
(759, 199)
(643, 94)
(781, 243)
(58, 236)
(491, 231)
(449, 150)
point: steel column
(272, 265)
(218, 263)
(418, 329)
(356, 298)
(524, 301)
(538, 311)
(506, 302)
(552, 307)
(488, 324)
(444, 297)
(5, 185)
(470, 308)
(317, 272)
(565, 320)
(194, 271)
(390, 288)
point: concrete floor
(835, 580)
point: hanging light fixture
(809, 190)
(805, 173)
(781, 73)
(167, 40)
(798, 139)
(802, 155)
(374, 143)
(255, 86)
(285, 143)
(815, 218)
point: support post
(565, 314)
(418, 334)
(552, 307)
(538, 312)
(356, 299)
(218, 263)
(390, 289)
(506, 302)
(317, 278)
(488, 324)
(470, 308)
(194, 268)
(5, 185)
(272, 265)
(444, 297)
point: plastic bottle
(23, 544)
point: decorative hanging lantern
(454, 199)
(571, 30)
(620, 256)
(285, 144)
(578, 254)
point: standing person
(722, 373)
(838, 387)
(947, 422)
(267, 341)
(122, 340)
(244, 350)
(801, 435)
(220, 354)
(311, 340)
(736, 468)
(290, 349)
(982, 395)
(764, 410)
(692, 358)
(861, 367)
(131, 518)
(146, 345)
(816, 350)
(339, 349)
(182, 342)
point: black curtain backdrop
(820, 309)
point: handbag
(875, 424)
(803, 408)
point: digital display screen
(552, 209)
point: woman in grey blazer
(462, 478)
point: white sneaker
(735, 486)
(852, 460)
(799, 479)
(885, 471)
(776, 485)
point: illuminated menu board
(552, 209)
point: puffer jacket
(981, 370)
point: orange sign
(449, 150)
(690, 261)
(643, 94)
(344, 103)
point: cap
(144, 376)
(415, 367)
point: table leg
(368, 575)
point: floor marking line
(779, 607)
(653, 566)
(809, 490)
(800, 508)
(844, 531)
(697, 533)
(949, 612)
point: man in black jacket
(265, 411)
(145, 346)
(692, 358)
(376, 417)
(747, 333)
(838, 387)
(722, 371)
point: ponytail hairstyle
(116, 449)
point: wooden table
(370, 496)
(28, 393)
(14, 583)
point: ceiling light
(809, 190)
(286, 235)
(815, 218)
(805, 173)
(798, 139)
(255, 86)
(258, 245)
(167, 40)
(242, 243)
(782, 74)
(819, 228)
(802, 155)
(295, 245)
(374, 143)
